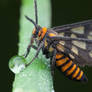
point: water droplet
(52, 90)
(17, 64)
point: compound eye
(34, 31)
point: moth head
(36, 29)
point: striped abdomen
(71, 70)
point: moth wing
(79, 51)
(76, 30)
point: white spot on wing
(75, 50)
(90, 54)
(80, 44)
(73, 36)
(62, 42)
(71, 56)
(90, 33)
(61, 34)
(60, 47)
(79, 30)
(90, 37)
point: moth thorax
(42, 33)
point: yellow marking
(71, 70)
(60, 47)
(44, 30)
(52, 34)
(51, 49)
(79, 77)
(75, 50)
(80, 44)
(65, 67)
(34, 31)
(79, 30)
(62, 61)
(46, 44)
(76, 73)
(59, 56)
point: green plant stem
(37, 76)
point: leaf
(37, 76)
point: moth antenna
(36, 12)
(32, 21)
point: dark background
(63, 11)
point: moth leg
(29, 47)
(37, 53)
(28, 50)
(53, 61)
(34, 47)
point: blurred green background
(63, 12)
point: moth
(68, 46)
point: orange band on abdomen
(66, 66)
(79, 77)
(71, 70)
(62, 61)
(58, 56)
(76, 72)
